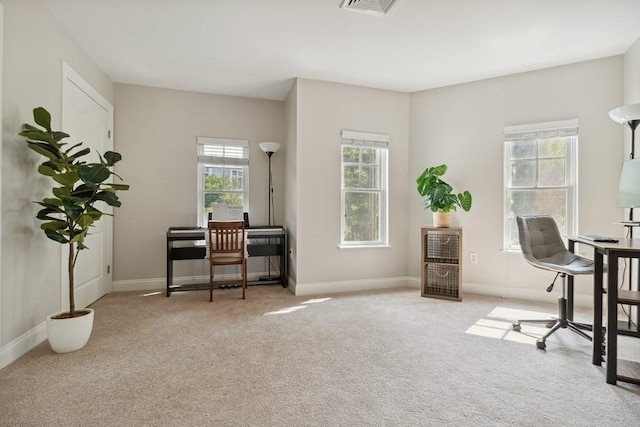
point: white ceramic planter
(67, 335)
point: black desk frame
(261, 242)
(625, 248)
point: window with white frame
(540, 175)
(364, 168)
(223, 179)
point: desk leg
(597, 308)
(612, 318)
(169, 270)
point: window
(364, 189)
(223, 175)
(540, 175)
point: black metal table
(261, 242)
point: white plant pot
(67, 335)
(442, 219)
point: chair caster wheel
(541, 344)
(516, 327)
(550, 325)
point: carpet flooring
(382, 358)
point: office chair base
(561, 322)
(554, 325)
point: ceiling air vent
(370, 7)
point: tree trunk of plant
(72, 304)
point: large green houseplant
(439, 195)
(79, 189)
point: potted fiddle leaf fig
(79, 188)
(439, 196)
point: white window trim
(571, 175)
(202, 160)
(372, 140)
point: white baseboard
(538, 295)
(16, 348)
(159, 284)
(349, 285)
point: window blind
(375, 140)
(218, 151)
(560, 129)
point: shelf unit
(631, 326)
(441, 257)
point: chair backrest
(539, 237)
(226, 238)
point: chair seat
(564, 262)
(221, 260)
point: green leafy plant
(439, 196)
(79, 186)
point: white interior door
(87, 117)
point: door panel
(87, 119)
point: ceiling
(256, 48)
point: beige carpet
(388, 358)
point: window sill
(362, 246)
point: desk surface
(198, 233)
(623, 244)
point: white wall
(462, 126)
(34, 47)
(632, 75)
(156, 131)
(323, 110)
(290, 179)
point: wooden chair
(227, 247)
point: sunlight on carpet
(501, 328)
(298, 307)
(286, 310)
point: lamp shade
(625, 114)
(629, 191)
(269, 147)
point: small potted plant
(439, 196)
(69, 212)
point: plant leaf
(109, 197)
(93, 174)
(54, 235)
(54, 225)
(73, 211)
(67, 179)
(58, 136)
(85, 220)
(46, 170)
(44, 150)
(80, 153)
(42, 117)
(465, 201)
(119, 187)
(112, 157)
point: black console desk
(189, 243)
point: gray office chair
(543, 248)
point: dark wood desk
(261, 242)
(625, 248)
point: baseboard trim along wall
(16, 348)
(348, 285)
(538, 295)
(362, 285)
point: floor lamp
(629, 190)
(270, 148)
